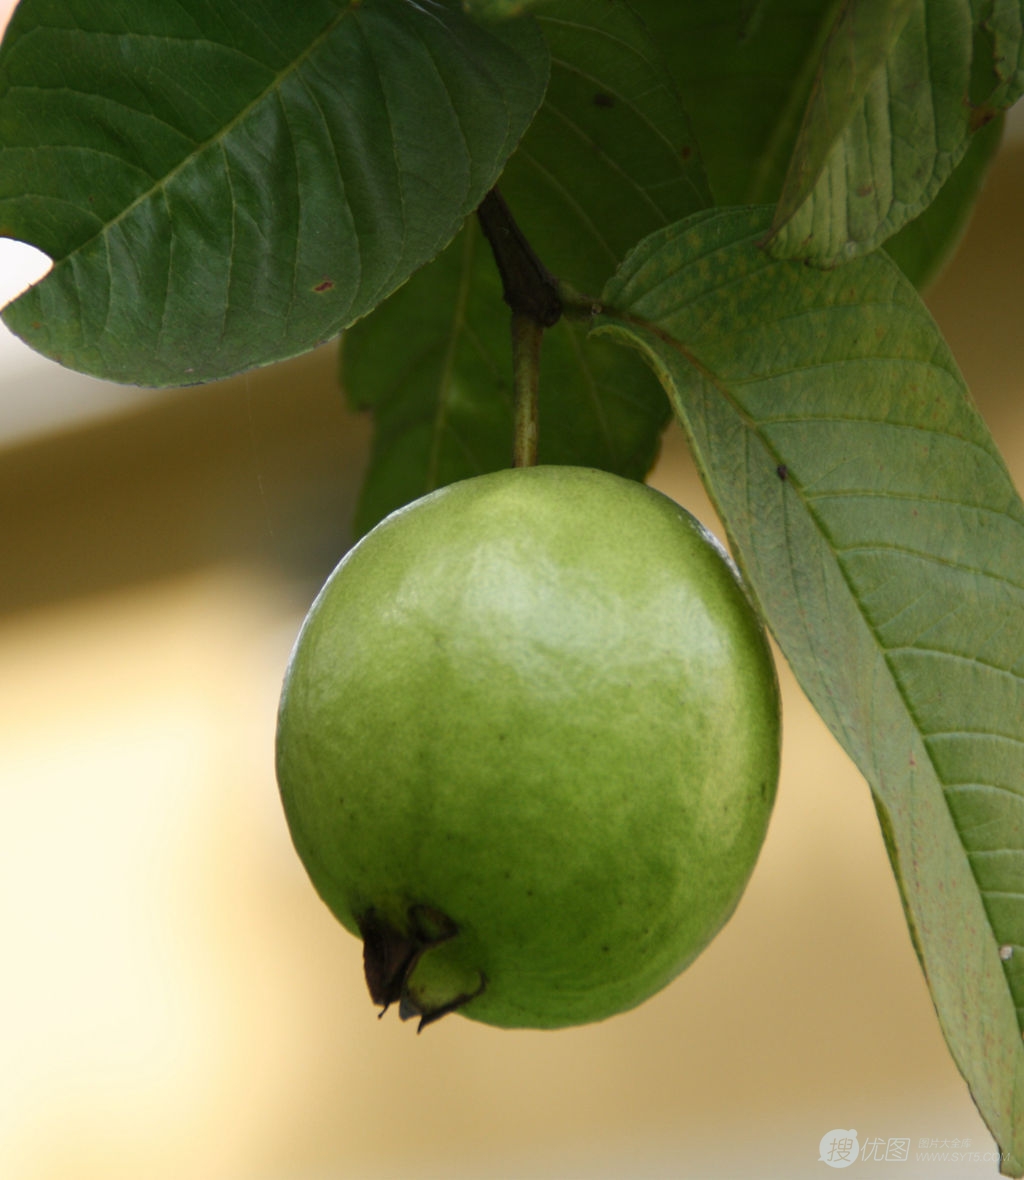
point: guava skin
(528, 746)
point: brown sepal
(387, 958)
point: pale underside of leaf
(226, 188)
(924, 246)
(860, 39)
(884, 540)
(879, 141)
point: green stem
(532, 292)
(527, 336)
(576, 306)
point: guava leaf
(608, 159)
(744, 71)
(857, 47)
(434, 366)
(884, 540)
(499, 9)
(222, 186)
(611, 155)
(922, 247)
(997, 79)
(746, 85)
(900, 90)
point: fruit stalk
(531, 291)
(527, 336)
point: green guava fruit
(528, 746)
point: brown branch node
(528, 286)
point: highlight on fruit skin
(528, 747)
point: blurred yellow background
(175, 1001)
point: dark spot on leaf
(686, 152)
(981, 115)
(865, 190)
(603, 100)
(782, 471)
(326, 285)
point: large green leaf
(747, 73)
(611, 155)
(880, 530)
(499, 9)
(744, 70)
(608, 159)
(224, 185)
(434, 366)
(900, 90)
(856, 50)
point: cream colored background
(175, 1002)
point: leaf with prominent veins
(884, 539)
(222, 186)
(901, 88)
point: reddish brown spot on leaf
(980, 115)
(326, 285)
